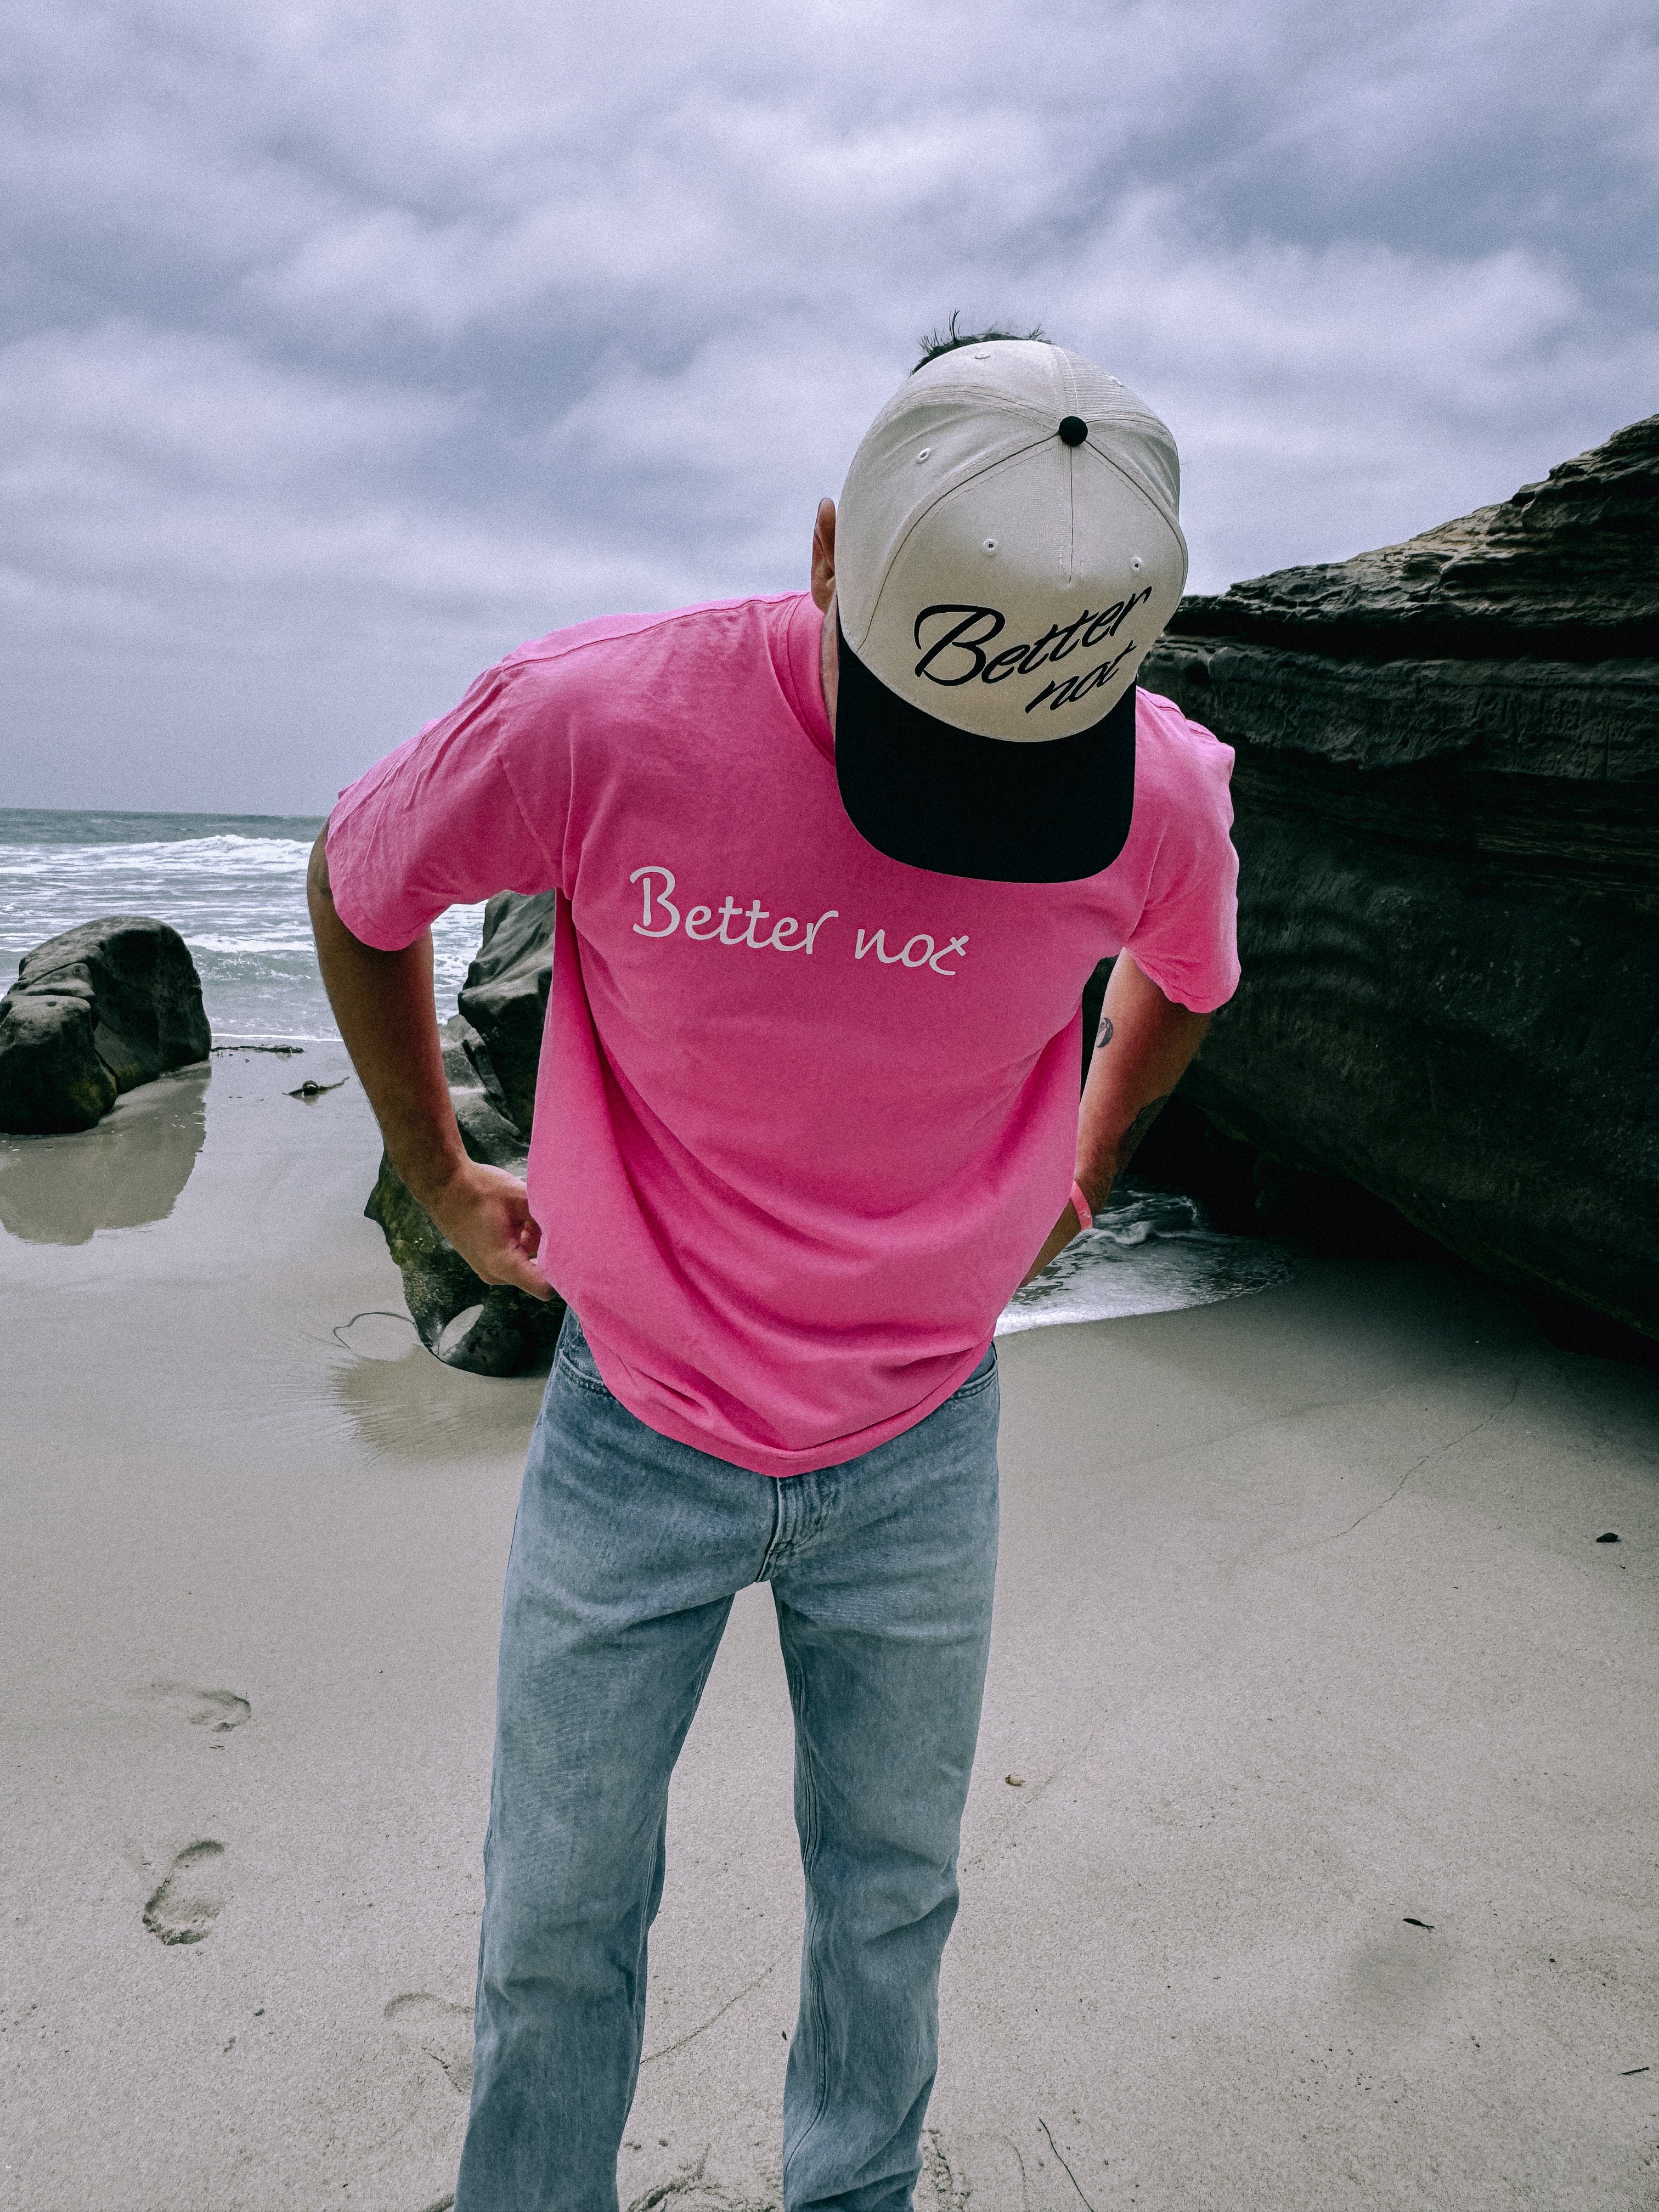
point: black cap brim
(1048, 811)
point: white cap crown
(1008, 547)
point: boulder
(1447, 794)
(491, 1052)
(96, 1011)
(504, 1001)
(487, 1328)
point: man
(831, 873)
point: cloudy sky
(346, 345)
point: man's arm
(1145, 1043)
(383, 1003)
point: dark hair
(947, 340)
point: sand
(1326, 1874)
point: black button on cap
(1074, 429)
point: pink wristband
(1080, 1207)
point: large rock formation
(490, 1057)
(1448, 820)
(94, 1012)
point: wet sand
(1304, 1641)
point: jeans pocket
(984, 1373)
(574, 1357)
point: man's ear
(823, 555)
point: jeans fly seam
(775, 1548)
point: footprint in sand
(985, 2172)
(443, 2031)
(694, 2189)
(183, 1909)
(218, 1711)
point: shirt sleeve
(441, 822)
(1187, 938)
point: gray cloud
(343, 350)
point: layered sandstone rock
(1448, 821)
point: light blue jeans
(627, 1553)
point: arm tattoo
(1105, 1033)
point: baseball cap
(1007, 550)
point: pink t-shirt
(803, 1115)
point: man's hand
(485, 1213)
(1144, 1044)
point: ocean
(234, 888)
